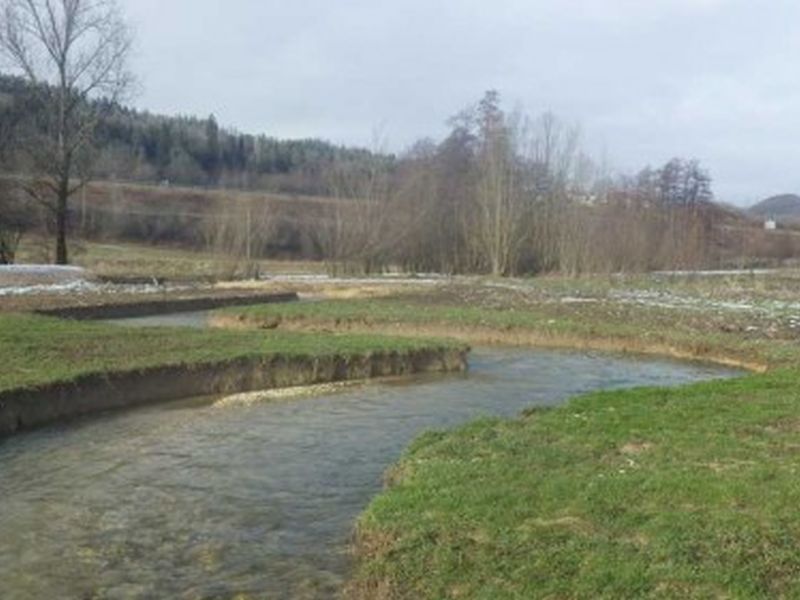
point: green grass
(696, 333)
(35, 351)
(686, 493)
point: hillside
(783, 207)
(138, 146)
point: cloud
(647, 79)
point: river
(206, 498)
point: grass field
(163, 262)
(658, 493)
(37, 350)
(729, 338)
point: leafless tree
(497, 218)
(357, 233)
(239, 230)
(73, 53)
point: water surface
(192, 320)
(197, 500)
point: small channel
(192, 320)
(203, 499)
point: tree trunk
(62, 257)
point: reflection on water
(251, 500)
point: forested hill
(187, 150)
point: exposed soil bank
(153, 307)
(489, 336)
(28, 408)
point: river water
(257, 499)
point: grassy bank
(37, 351)
(687, 493)
(723, 338)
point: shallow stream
(210, 499)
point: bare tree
(73, 53)
(355, 235)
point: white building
(770, 224)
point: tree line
(509, 194)
(504, 193)
(138, 146)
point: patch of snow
(716, 273)
(75, 287)
(87, 288)
(388, 279)
(668, 300)
(16, 276)
(43, 270)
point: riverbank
(687, 493)
(56, 369)
(575, 325)
(647, 493)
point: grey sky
(647, 79)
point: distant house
(770, 224)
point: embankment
(160, 306)
(22, 409)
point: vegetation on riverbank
(590, 324)
(685, 493)
(645, 493)
(37, 351)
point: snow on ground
(27, 280)
(662, 299)
(427, 279)
(30, 275)
(85, 288)
(74, 287)
(37, 279)
(43, 269)
(785, 311)
(716, 273)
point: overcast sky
(717, 80)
